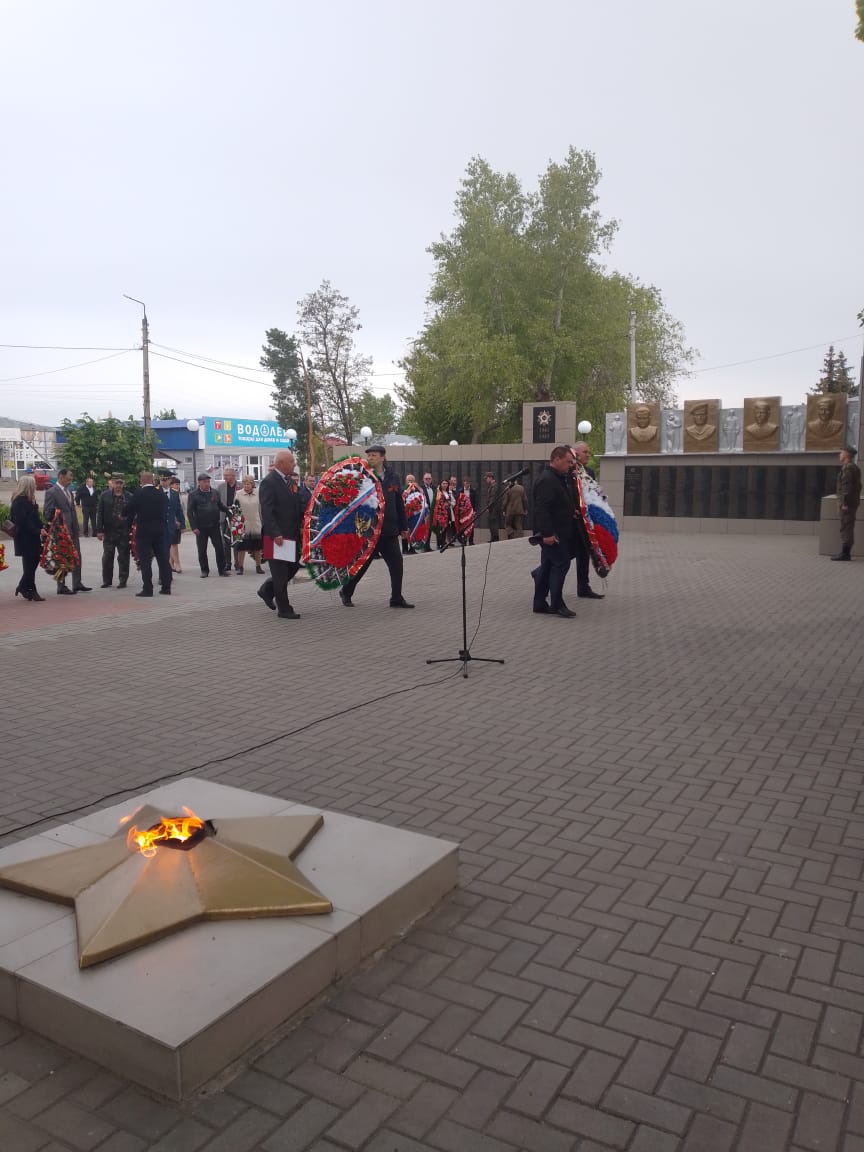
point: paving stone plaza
(657, 942)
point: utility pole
(632, 357)
(145, 348)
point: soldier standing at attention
(849, 496)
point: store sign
(230, 434)
(10, 435)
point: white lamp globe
(291, 433)
(192, 425)
(366, 432)
(584, 427)
(454, 443)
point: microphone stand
(464, 652)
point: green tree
(281, 356)
(836, 375)
(99, 447)
(381, 413)
(165, 414)
(327, 323)
(859, 10)
(521, 309)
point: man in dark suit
(147, 509)
(283, 502)
(86, 498)
(554, 523)
(394, 526)
(59, 498)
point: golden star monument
(136, 888)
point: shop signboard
(227, 433)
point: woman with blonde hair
(28, 536)
(252, 542)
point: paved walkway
(658, 941)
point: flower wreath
(59, 554)
(417, 514)
(342, 523)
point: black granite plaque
(544, 424)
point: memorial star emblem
(238, 868)
(544, 417)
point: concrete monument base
(174, 1013)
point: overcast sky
(218, 160)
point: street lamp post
(291, 434)
(366, 433)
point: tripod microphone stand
(465, 656)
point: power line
(209, 359)
(69, 367)
(773, 356)
(205, 368)
(69, 347)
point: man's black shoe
(204, 575)
(164, 591)
(82, 588)
(589, 594)
(225, 573)
(345, 598)
(842, 556)
(104, 585)
(403, 603)
(62, 590)
(289, 615)
(143, 594)
(564, 611)
(122, 584)
(541, 609)
(268, 600)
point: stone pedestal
(829, 526)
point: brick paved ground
(658, 942)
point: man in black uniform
(147, 508)
(283, 502)
(394, 526)
(554, 510)
(112, 528)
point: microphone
(516, 476)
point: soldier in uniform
(113, 530)
(849, 496)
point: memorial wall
(762, 461)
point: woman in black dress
(28, 536)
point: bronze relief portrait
(701, 419)
(826, 422)
(762, 424)
(643, 427)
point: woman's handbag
(9, 528)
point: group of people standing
(453, 508)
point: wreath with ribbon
(3, 564)
(600, 523)
(59, 554)
(463, 515)
(342, 523)
(417, 512)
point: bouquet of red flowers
(3, 564)
(237, 523)
(59, 554)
